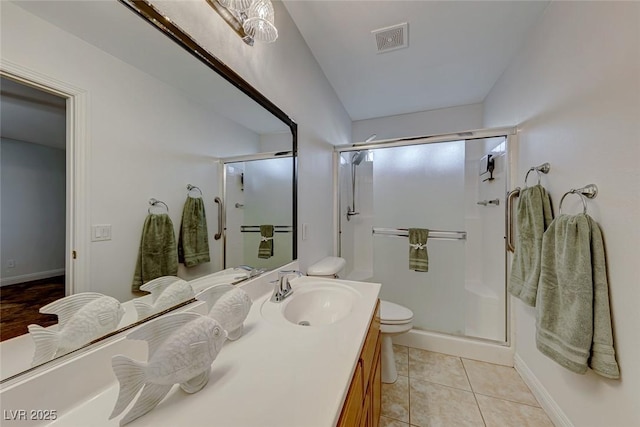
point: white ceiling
(457, 50)
(31, 115)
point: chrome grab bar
(218, 235)
(509, 219)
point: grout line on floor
(509, 400)
(408, 387)
(474, 393)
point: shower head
(358, 157)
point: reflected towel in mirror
(158, 254)
(193, 241)
(265, 250)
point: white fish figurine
(166, 292)
(182, 347)
(229, 305)
(82, 318)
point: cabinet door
(352, 409)
(370, 344)
(376, 388)
(367, 420)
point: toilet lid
(326, 267)
(391, 313)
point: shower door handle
(218, 200)
(509, 219)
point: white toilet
(394, 319)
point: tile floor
(437, 390)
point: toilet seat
(394, 314)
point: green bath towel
(157, 255)
(534, 216)
(193, 242)
(572, 310)
(265, 250)
(418, 256)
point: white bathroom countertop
(276, 374)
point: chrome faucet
(282, 288)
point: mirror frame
(152, 16)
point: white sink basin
(314, 302)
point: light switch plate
(100, 232)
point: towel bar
(193, 187)
(433, 234)
(543, 168)
(540, 169)
(256, 229)
(588, 191)
(154, 202)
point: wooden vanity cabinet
(364, 400)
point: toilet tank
(327, 267)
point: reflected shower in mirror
(259, 219)
(147, 114)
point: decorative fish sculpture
(229, 305)
(82, 318)
(166, 292)
(182, 347)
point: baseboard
(555, 413)
(6, 281)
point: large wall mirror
(107, 107)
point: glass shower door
(421, 186)
(437, 186)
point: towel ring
(193, 187)
(543, 168)
(589, 191)
(155, 202)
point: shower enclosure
(453, 186)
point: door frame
(77, 259)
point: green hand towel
(193, 242)
(418, 256)
(157, 255)
(572, 310)
(534, 216)
(265, 250)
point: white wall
(133, 156)
(32, 211)
(432, 122)
(287, 73)
(574, 91)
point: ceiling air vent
(392, 38)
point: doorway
(33, 204)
